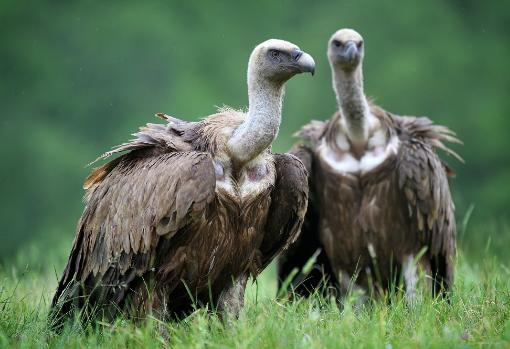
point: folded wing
(141, 201)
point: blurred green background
(77, 78)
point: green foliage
(478, 315)
(78, 77)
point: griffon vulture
(379, 194)
(192, 209)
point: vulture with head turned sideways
(379, 194)
(191, 209)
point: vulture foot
(231, 299)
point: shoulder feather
(424, 129)
(312, 132)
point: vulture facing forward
(192, 209)
(379, 193)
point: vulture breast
(356, 225)
(253, 179)
(380, 148)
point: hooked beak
(303, 61)
(350, 52)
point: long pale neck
(262, 122)
(352, 103)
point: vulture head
(345, 49)
(278, 61)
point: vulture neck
(262, 122)
(352, 104)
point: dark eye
(360, 44)
(337, 43)
(275, 54)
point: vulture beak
(304, 61)
(350, 52)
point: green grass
(478, 315)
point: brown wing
(423, 180)
(143, 200)
(307, 245)
(288, 206)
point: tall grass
(478, 314)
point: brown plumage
(379, 193)
(179, 219)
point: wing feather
(142, 198)
(308, 244)
(288, 207)
(424, 180)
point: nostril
(296, 54)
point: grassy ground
(478, 315)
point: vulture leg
(410, 272)
(416, 278)
(231, 299)
(442, 273)
(346, 286)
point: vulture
(189, 210)
(380, 210)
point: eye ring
(360, 44)
(336, 43)
(275, 54)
